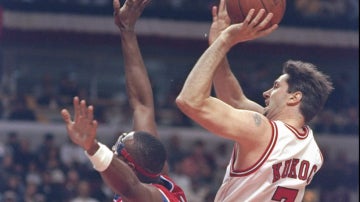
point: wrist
(126, 34)
(93, 148)
(101, 157)
(127, 30)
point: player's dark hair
(149, 152)
(313, 84)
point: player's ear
(295, 98)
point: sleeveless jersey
(281, 174)
(169, 190)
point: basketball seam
(264, 6)
(241, 10)
(266, 9)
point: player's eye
(276, 85)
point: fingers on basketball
(238, 9)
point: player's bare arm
(227, 87)
(195, 100)
(242, 126)
(82, 131)
(138, 86)
(130, 188)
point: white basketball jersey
(281, 174)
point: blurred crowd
(62, 173)
(49, 95)
(318, 13)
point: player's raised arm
(195, 100)
(138, 86)
(227, 87)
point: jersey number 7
(285, 194)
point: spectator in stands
(2, 151)
(83, 193)
(72, 182)
(46, 92)
(221, 155)
(46, 147)
(7, 168)
(52, 190)
(175, 150)
(9, 196)
(33, 173)
(20, 110)
(32, 193)
(181, 177)
(14, 184)
(205, 162)
(310, 196)
(67, 88)
(24, 156)
(72, 156)
(12, 143)
(186, 172)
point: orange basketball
(238, 9)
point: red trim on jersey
(169, 190)
(262, 159)
(298, 134)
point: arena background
(44, 43)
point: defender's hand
(82, 131)
(125, 16)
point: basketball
(238, 9)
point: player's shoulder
(168, 183)
(170, 190)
